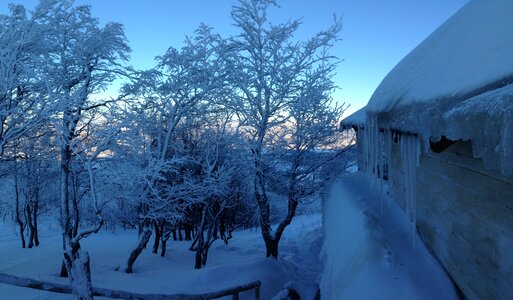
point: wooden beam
(101, 292)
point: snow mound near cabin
(470, 50)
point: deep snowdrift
(368, 251)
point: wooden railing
(101, 292)
(236, 291)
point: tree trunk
(77, 263)
(210, 240)
(271, 244)
(30, 226)
(198, 260)
(215, 233)
(22, 233)
(163, 248)
(188, 236)
(180, 236)
(158, 234)
(271, 248)
(271, 241)
(17, 200)
(143, 240)
(222, 228)
(76, 212)
(203, 244)
(205, 255)
(263, 205)
(194, 243)
(199, 239)
(79, 271)
(34, 218)
(64, 271)
(164, 237)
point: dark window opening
(441, 145)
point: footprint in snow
(388, 255)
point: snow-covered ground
(368, 254)
(240, 262)
(369, 251)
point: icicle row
(377, 157)
(376, 154)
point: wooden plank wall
(465, 216)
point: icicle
(376, 153)
(373, 148)
(410, 152)
(362, 147)
(379, 169)
(387, 149)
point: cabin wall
(465, 217)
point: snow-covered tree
(83, 59)
(215, 157)
(311, 137)
(183, 85)
(22, 89)
(270, 73)
(36, 163)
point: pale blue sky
(376, 34)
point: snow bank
(368, 252)
(470, 50)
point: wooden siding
(465, 216)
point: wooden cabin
(439, 131)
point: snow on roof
(358, 118)
(472, 49)
(493, 103)
(487, 120)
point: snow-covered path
(368, 250)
